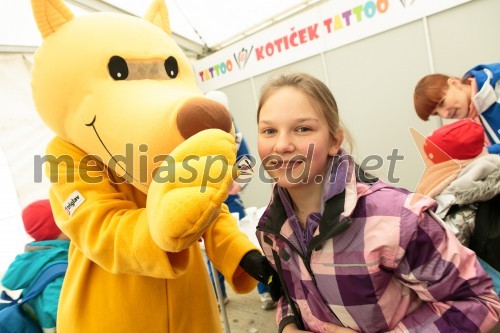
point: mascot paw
(189, 188)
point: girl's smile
(280, 164)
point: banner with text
(322, 28)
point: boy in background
(50, 246)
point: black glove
(257, 266)
(254, 264)
(274, 284)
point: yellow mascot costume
(140, 167)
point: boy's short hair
(39, 221)
(428, 93)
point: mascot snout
(199, 114)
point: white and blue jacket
(487, 100)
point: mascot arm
(226, 245)
(188, 190)
(106, 226)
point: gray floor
(246, 316)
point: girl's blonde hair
(320, 96)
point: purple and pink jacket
(375, 260)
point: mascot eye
(171, 67)
(117, 67)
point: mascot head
(118, 87)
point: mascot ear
(158, 15)
(50, 15)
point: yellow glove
(189, 188)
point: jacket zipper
(306, 261)
(277, 234)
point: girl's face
(455, 102)
(294, 141)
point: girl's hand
(332, 328)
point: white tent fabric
(22, 136)
(22, 133)
(194, 18)
(199, 22)
(12, 235)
